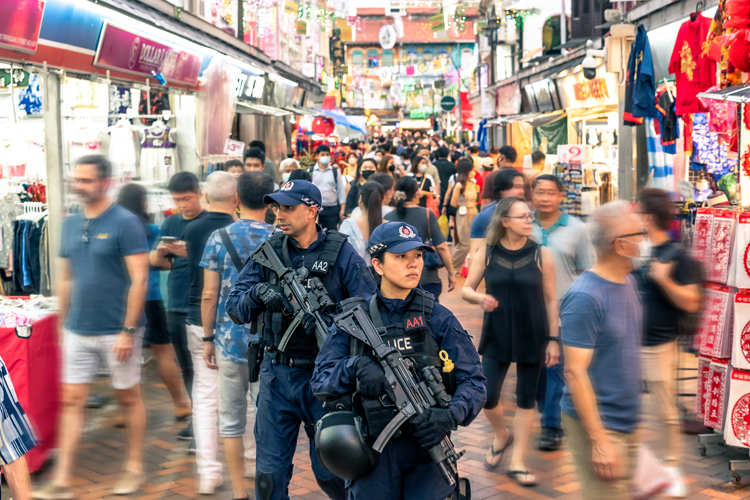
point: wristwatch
(129, 330)
(209, 339)
(556, 339)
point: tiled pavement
(171, 472)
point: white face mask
(285, 176)
(324, 160)
(644, 254)
(422, 169)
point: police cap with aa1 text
(294, 193)
(395, 237)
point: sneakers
(208, 485)
(186, 434)
(678, 488)
(191, 447)
(52, 492)
(550, 440)
(250, 466)
(130, 482)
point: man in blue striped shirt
(16, 438)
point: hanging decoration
(355, 22)
(227, 10)
(459, 18)
(304, 11)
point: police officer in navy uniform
(285, 399)
(420, 328)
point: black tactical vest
(274, 324)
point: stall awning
(736, 93)
(299, 110)
(260, 109)
(534, 119)
(353, 122)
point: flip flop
(513, 474)
(500, 452)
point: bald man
(221, 196)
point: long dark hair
(133, 198)
(406, 189)
(463, 169)
(372, 194)
(359, 168)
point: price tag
(570, 154)
(235, 148)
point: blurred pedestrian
(427, 153)
(352, 162)
(332, 186)
(424, 180)
(234, 167)
(464, 199)
(520, 325)
(171, 255)
(102, 290)
(268, 167)
(568, 242)
(360, 228)
(506, 159)
(365, 169)
(409, 211)
(16, 438)
(445, 169)
(385, 180)
(602, 324)
(225, 345)
(134, 198)
(670, 290)
(286, 167)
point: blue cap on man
(395, 237)
(294, 193)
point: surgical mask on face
(367, 173)
(285, 176)
(422, 169)
(644, 254)
(324, 160)
(378, 158)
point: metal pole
(53, 145)
(459, 130)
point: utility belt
(292, 362)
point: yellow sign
(291, 8)
(437, 22)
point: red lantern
(323, 126)
(739, 51)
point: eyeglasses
(527, 218)
(624, 236)
(85, 236)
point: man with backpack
(670, 286)
(225, 345)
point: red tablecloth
(35, 369)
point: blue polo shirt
(569, 243)
(482, 221)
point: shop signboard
(20, 24)
(447, 103)
(249, 87)
(583, 93)
(234, 148)
(571, 153)
(122, 50)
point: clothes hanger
(698, 9)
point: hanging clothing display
(694, 71)
(159, 102)
(158, 153)
(707, 150)
(640, 87)
(122, 149)
(722, 118)
(30, 98)
(728, 74)
(659, 162)
(120, 102)
(668, 128)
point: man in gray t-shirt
(568, 241)
(102, 291)
(601, 328)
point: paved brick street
(171, 472)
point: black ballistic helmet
(341, 446)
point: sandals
(514, 474)
(500, 452)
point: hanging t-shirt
(668, 128)
(122, 150)
(158, 154)
(640, 87)
(694, 72)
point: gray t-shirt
(606, 317)
(418, 217)
(95, 249)
(568, 241)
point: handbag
(431, 259)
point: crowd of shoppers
(585, 313)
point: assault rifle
(314, 302)
(412, 397)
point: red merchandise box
(702, 231)
(34, 366)
(704, 386)
(722, 239)
(737, 425)
(717, 322)
(716, 402)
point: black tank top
(517, 330)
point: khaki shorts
(83, 354)
(592, 487)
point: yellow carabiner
(447, 363)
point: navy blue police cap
(395, 237)
(296, 192)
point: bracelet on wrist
(209, 339)
(555, 338)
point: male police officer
(420, 328)
(285, 398)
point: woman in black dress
(520, 317)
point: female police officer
(419, 328)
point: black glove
(273, 298)
(308, 323)
(371, 378)
(431, 426)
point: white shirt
(385, 209)
(331, 195)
